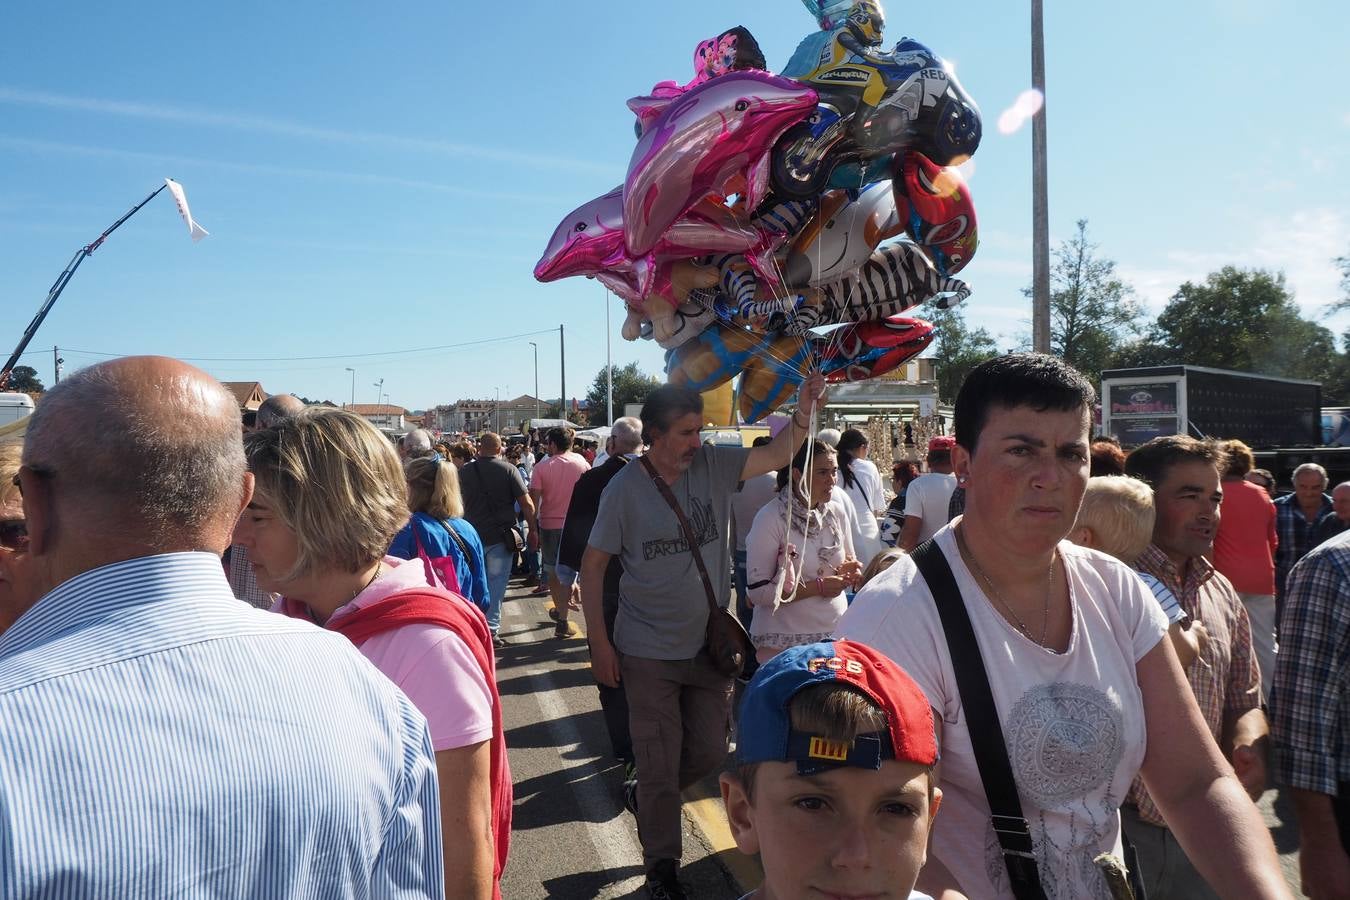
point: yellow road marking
(703, 804)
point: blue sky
(381, 177)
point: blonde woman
(329, 495)
(438, 533)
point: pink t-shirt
(553, 480)
(429, 663)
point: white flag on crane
(197, 231)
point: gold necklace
(993, 592)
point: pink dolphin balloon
(589, 241)
(719, 130)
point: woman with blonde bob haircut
(329, 494)
(438, 533)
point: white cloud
(1303, 245)
(32, 146)
(261, 124)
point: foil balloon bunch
(772, 224)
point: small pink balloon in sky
(1027, 104)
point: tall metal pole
(562, 369)
(536, 378)
(379, 389)
(1040, 204)
(56, 365)
(353, 371)
(609, 369)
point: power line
(339, 356)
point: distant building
(474, 416)
(383, 416)
(249, 394)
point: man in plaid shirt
(1310, 714)
(1225, 677)
(1299, 517)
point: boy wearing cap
(834, 784)
(927, 496)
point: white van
(14, 406)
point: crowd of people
(262, 663)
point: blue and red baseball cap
(766, 734)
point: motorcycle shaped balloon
(872, 106)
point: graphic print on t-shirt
(701, 521)
(1065, 741)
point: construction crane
(60, 285)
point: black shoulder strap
(986, 735)
(459, 542)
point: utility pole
(56, 364)
(562, 374)
(536, 378)
(1040, 204)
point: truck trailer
(1279, 418)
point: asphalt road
(571, 837)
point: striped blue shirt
(160, 738)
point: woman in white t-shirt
(861, 481)
(1073, 647)
(799, 558)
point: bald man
(133, 676)
(1330, 526)
(278, 408)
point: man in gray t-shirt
(678, 704)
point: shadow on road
(591, 884)
(540, 734)
(561, 679)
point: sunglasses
(14, 535)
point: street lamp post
(353, 371)
(497, 411)
(536, 378)
(379, 389)
(609, 368)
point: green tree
(1336, 382)
(957, 349)
(631, 385)
(1246, 320)
(1092, 312)
(1343, 302)
(24, 380)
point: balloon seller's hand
(604, 662)
(1250, 765)
(808, 396)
